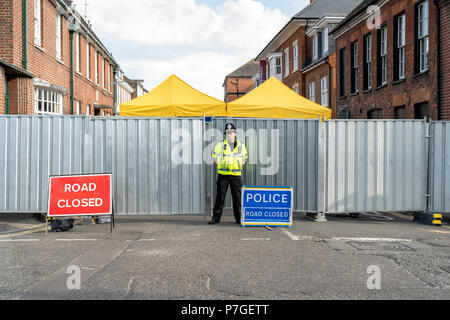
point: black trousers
(235, 183)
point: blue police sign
(266, 206)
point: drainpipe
(115, 89)
(438, 60)
(7, 96)
(72, 30)
(303, 77)
(73, 26)
(24, 35)
(330, 82)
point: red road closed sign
(81, 195)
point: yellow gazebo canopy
(171, 98)
(273, 99)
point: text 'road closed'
(80, 195)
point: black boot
(214, 221)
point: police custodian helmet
(229, 126)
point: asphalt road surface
(376, 256)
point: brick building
(124, 91)
(240, 81)
(137, 86)
(297, 55)
(387, 61)
(319, 71)
(38, 61)
(443, 12)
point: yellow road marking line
(438, 231)
(21, 233)
(409, 218)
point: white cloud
(248, 24)
(194, 68)
(154, 22)
(198, 42)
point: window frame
(342, 71)
(78, 107)
(312, 91)
(278, 65)
(37, 22)
(103, 72)
(96, 66)
(88, 60)
(58, 36)
(423, 38)
(382, 56)
(49, 100)
(325, 40)
(77, 53)
(367, 72)
(315, 47)
(286, 62)
(324, 91)
(400, 47)
(355, 67)
(295, 56)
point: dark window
(421, 110)
(399, 112)
(355, 69)
(374, 114)
(367, 55)
(344, 114)
(319, 45)
(342, 69)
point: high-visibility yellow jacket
(229, 161)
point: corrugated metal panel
(293, 160)
(440, 167)
(373, 166)
(138, 151)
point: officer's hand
(243, 162)
(214, 162)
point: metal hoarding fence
(440, 167)
(282, 152)
(372, 165)
(139, 152)
(163, 165)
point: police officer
(230, 156)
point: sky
(200, 41)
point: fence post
(322, 167)
(427, 217)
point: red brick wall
(20, 96)
(42, 61)
(445, 59)
(315, 76)
(245, 85)
(295, 76)
(415, 89)
(6, 29)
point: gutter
(72, 30)
(439, 80)
(6, 96)
(330, 83)
(91, 34)
(115, 90)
